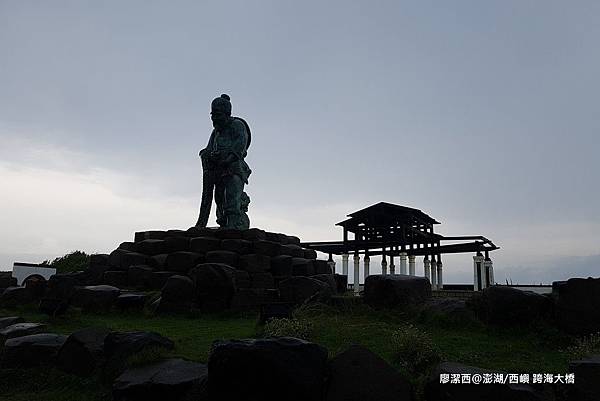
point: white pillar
(403, 262)
(331, 264)
(356, 273)
(433, 273)
(345, 264)
(426, 267)
(411, 265)
(384, 265)
(488, 268)
(392, 266)
(366, 264)
(477, 276)
(440, 280)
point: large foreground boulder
(83, 351)
(509, 306)
(435, 390)
(587, 375)
(272, 369)
(171, 379)
(31, 350)
(388, 291)
(300, 289)
(378, 380)
(96, 298)
(578, 305)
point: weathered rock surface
(577, 305)
(9, 321)
(96, 298)
(225, 257)
(378, 380)
(281, 265)
(177, 295)
(124, 344)
(328, 279)
(215, 285)
(31, 350)
(272, 369)
(171, 379)
(83, 351)
(204, 244)
(388, 291)
(21, 329)
(182, 262)
(14, 296)
(130, 302)
(300, 289)
(510, 306)
(254, 263)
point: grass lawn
(532, 350)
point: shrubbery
(298, 328)
(585, 346)
(414, 349)
(71, 262)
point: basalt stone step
(31, 350)
(281, 265)
(9, 321)
(133, 259)
(171, 379)
(242, 279)
(96, 298)
(239, 246)
(204, 244)
(143, 235)
(151, 247)
(158, 262)
(264, 247)
(292, 250)
(14, 296)
(139, 276)
(302, 267)
(182, 262)
(254, 263)
(215, 285)
(321, 266)
(128, 246)
(115, 278)
(177, 244)
(253, 234)
(228, 233)
(225, 257)
(21, 329)
(262, 280)
(131, 302)
(310, 254)
(158, 279)
(300, 289)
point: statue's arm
(237, 150)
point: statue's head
(220, 110)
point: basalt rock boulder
(577, 305)
(204, 244)
(281, 265)
(118, 346)
(96, 298)
(53, 306)
(328, 279)
(131, 302)
(62, 286)
(271, 369)
(321, 267)
(182, 262)
(158, 262)
(116, 278)
(239, 246)
(7, 280)
(509, 306)
(31, 350)
(83, 351)
(436, 391)
(151, 247)
(262, 280)
(228, 233)
(139, 276)
(388, 291)
(157, 280)
(114, 259)
(253, 234)
(215, 285)
(341, 281)
(177, 244)
(587, 385)
(255, 263)
(14, 296)
(302, 267)
(177, 295)
(225, 257)
(153, 234)
(9, 321)
(133, 259)
(171, 379)
(292, 250)
(379, 381)
(21, 329)
(298, 290)
(268, 248)
(242, 279)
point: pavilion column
(403, 262)
(366, 266)
(426, 267)
(488, 268)
(384, 264)
(440, 280)
(392, 266)
(477, 272)
(331, 263)
(345, 264)
(433, 273)
(356, 273)
(411, 265)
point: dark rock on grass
(436, 391)
(321, 267)
(53, 306)
(268, 248)
(131, 302)
(453, 310)
(14, 296)
(341, 281)
(271, 369)
(509, 306)
(21, 329)
(225, 257)
(252, 298)
(118, 346)
(151, 247)
(328, 279)
(83, 351)
(298, 290)
(396, 290)
(275, 310)
(587, 373)
(204, 244)
(9, 321)
(62, 286)
(31, 350)
(215, 285)
(96, 298)
(281, 265)
(182, 262)
(116, 278)
(239, 246)
(378, 380)
(254, 263)
(171, 379)
(177, 295)
(578, 305)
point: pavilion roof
(384, 213)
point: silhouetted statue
(224, 170)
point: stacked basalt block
(245, 267)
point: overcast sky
(485, 115)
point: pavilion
(398, 231)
